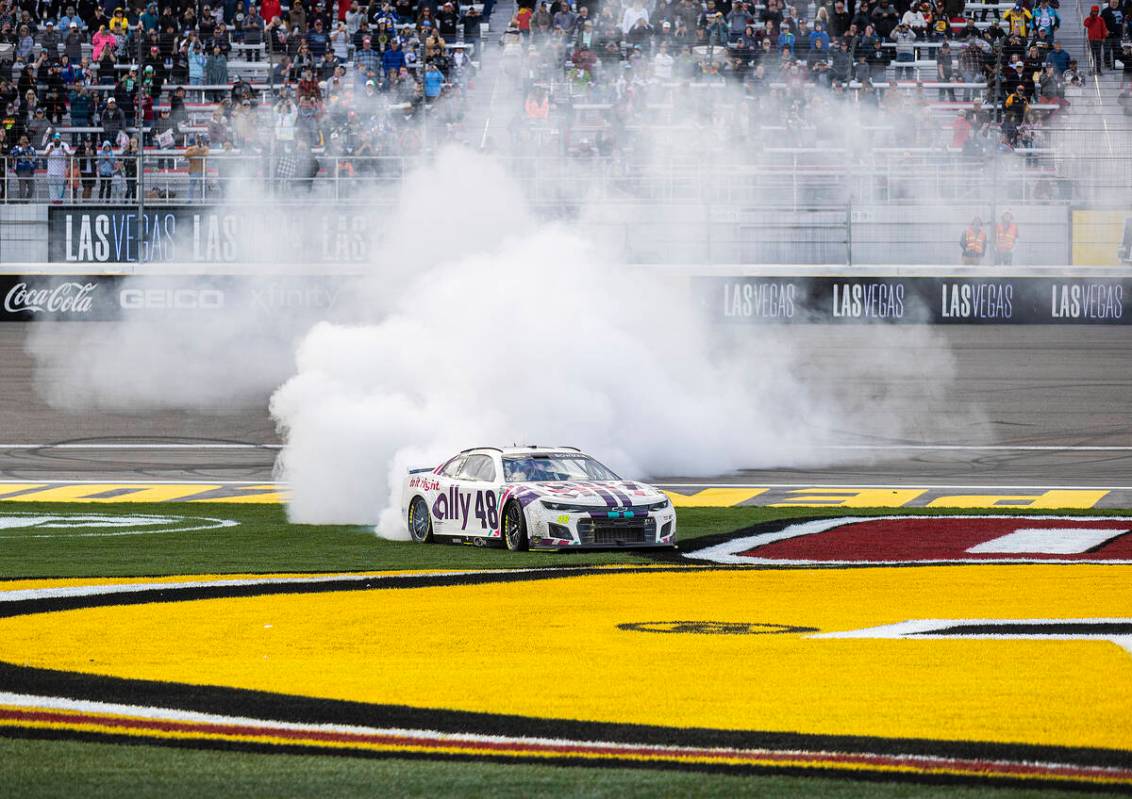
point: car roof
(532, 449)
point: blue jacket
(1060, 60)
(196, 65)
(106, 163)
(392, 59)
(815, 35)
(25, 160)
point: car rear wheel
(514, 527)
(420, 523)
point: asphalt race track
(1023, 405)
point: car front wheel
(514, 527)
(420, 523)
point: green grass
(265, 542)
(67, 769)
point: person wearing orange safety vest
(1005, 237)
(974, 243)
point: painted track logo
(101, 525)
(904, 540)
(714, 627)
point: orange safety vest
(1005, 236)
(974, 243)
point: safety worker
(1005, 237)
(974, 243)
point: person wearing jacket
(101, 41)
(1019, 18)
(107, 166)
(1097, 32)
(1113, 17)
(23, 157)
(1005, 237)
(973, 243)
(905, 39)
(1047, 19)
(392, 59)
(88, 168)
(216, 71)
(197, 60)
(112, 119)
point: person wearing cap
(73, 42)
(112, 119)
(1005, 237)
(58, 155)
(1019, 18)
(973, 243)
(119, 25)
(49, 40)
(1097, 32)
(1014, 107)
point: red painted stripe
(988, 768)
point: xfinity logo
(72, 297)
(175, 299)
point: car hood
(598, 493)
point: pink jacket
(100, 42)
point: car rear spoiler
(422, 469)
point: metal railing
(796, 177)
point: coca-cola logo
(70, 297)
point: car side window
(486, 471)
(453, 466)
(475, 467)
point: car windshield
(554, 468)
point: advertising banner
(87, 235)
(915, 300)
(725, 300)
(100, 298)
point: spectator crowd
(86, 85)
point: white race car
(536, 497)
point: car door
(442, 504)
(477, 511)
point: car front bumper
(605, 528)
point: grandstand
(819, 109)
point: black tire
(514, 527)
(420, 531)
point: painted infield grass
(352, 645)
(264, 541)
(69, 768)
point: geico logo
(132, 299)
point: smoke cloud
(486, 319)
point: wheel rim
(418, 519)
(513, 527)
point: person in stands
(1097, 32)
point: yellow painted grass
(552, 648)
